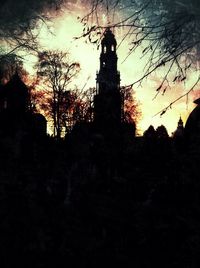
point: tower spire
(180, 122)
(108, 101)
(108, 77)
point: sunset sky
(66, 26)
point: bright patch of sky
(65, 27)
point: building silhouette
(179, 132)
(192, 127)
(108, 103)
(16, 115)
(14, 96)
(107, 134)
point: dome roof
(109, 38)
(192, 126)
(197, 101)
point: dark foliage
(87, 205)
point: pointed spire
(108, 42)
(180, 122)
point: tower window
(112, 48)
(104, 49)
(104, 64)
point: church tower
(180, 129)
(180, 123)
(108, 101)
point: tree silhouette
(77, 107)
(161, 132)
(150, 133)
(21, 21)
(56, 71)
(131, 111)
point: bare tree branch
(168, 30)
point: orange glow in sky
(66, 27)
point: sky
(66, 26)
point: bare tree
(56, 71)
(131, 109)
(21, 22)
(167, 30)
(78, 107)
